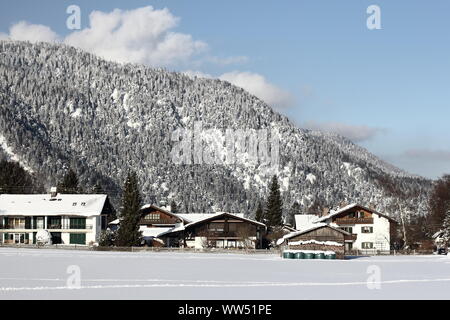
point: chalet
(157, 224)
(66, 218)
(318, 237)
(220, 230)
(371, 228)
(160, 227)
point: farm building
(372, 230)
(318, 237)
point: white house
(372, 229)
(68, 218)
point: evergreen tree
(446, 227)
(259, 215)
(173, 207)
(274, 206)
(128, 234)
(69, 184)
(14, 179)
(295, 209)
(97, 189)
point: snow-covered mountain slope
(60, 106)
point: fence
(375, 252)
(142, 249)
(367, 252)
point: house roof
(45, 205)
(303, 221)
(210, 216)
(309, 229)
(350, 206)
(194, 217)
(154, 232)
(151, 206)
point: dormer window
(83, 204)
(74, 204)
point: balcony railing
(341, 221)
(49, 227)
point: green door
(77, 238)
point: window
(367, 245)
(347, 229)
(367, 229)
(74, 204)
(54, 222)
(77, 223)
(153, 216)
(216, 226)
(83, 204)
(77, 238)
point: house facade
(372, 229)
(222, 230)
(69, 219)
(160, 227)
(157, 224)
(318, 237)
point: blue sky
(387, 89)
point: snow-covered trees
(69, 183)
(446, 227)
(128, 233)
(14, 179)
(60, 106)
(274, 205)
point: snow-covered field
(43, 274)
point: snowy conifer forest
(61, 107)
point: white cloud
(146, 35)
(25, 31)
(143, 35)
(257, 85)
(356, 133)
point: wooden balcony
(350, 221)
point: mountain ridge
(60, 107)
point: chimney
(53, 192)
(325, 211)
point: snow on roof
(153, 232)
(312, 227)
(117, 221)
(195, 218)
(350, 206)
(437, 234)
(44, 205)
(303, 221)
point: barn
(319, 237)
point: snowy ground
(42, 274)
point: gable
(153, 215)
(324, 233)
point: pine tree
(128, 234)
(14, 179)
(274, 206)
(446, 227)
(259, 215)
(97, 189)
(295, 209)
(173, 207)
(69, 184)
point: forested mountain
(61, 107)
